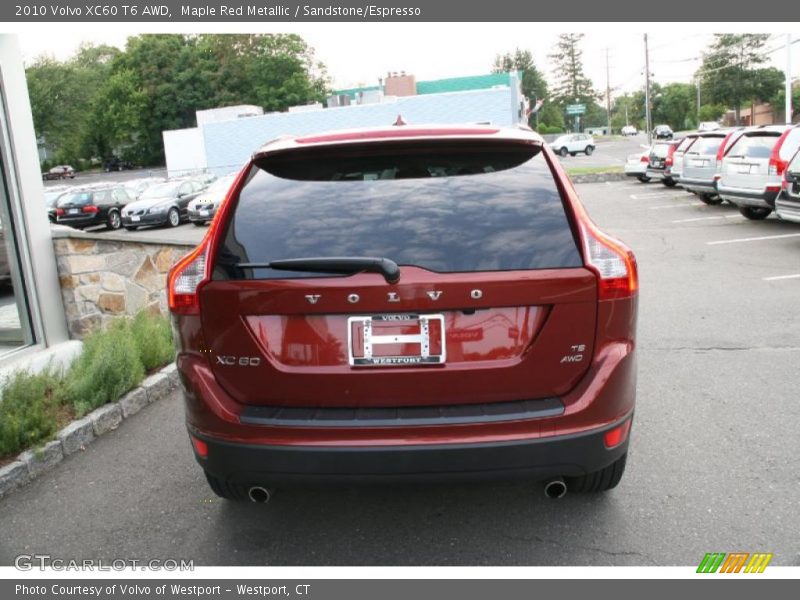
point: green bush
(28, 410)
(153, 337)
(108, 367)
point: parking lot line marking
(753, 239)
(697, 219)
(781, 277)
(708, 218)
(673, 205)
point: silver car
(675, 162)
(701, 163)
(752, 170)
(572, 143)
(787, 206)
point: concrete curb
(81, 432)
(599, 177)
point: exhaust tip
(555, 488)
(258, 494)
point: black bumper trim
(461, 414)
(565, 455)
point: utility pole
(697, 84)
(647, 91)
(788, 78)
(626, 113)
(608, 93)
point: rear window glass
(790, 144)
(82, 198)
(445, 208)
(754, 146)
(660, 150)
(706, 146)
(685, 143)
(794, 165)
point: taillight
(90, 209)
(668, 161)
(59, 212)
(613, 262)
(776, 165)
(184, 279)
(721, 149)
(645, 159)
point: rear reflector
(202, 448)
(618, 435)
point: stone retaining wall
(103, 276)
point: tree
(729, 71)
(109, 101)
(676, 105)
(572, 86)
(534, 85)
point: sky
(360, 53)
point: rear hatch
(658, 155)
(700, 160)
(677, 156)
(80, 205)
(493, 303)
(746, 166)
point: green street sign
(576, 109)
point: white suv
(572, 143)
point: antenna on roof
(399, 121)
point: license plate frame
(425, 356)
(136, 219)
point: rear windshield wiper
(334, 264)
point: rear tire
(755, 213)
(173, 217)
(573, 153)
(643, 178)
(710, 199)
(589, 150)
(114, 220)
(563, 152)
(669, 182)
(598, 481)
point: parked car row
(142, 202)
(755, 168)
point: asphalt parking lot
(712, 467)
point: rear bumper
(567, 455)
(152, 219)
(788, 210)
(657, 173)
(703, 186)
(194, 215)
(743, 197)
(80, 222)
(255, 446)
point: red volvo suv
(405, 303)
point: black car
(164, 204)
(113, 163)
(88, 208)
(663, 132)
